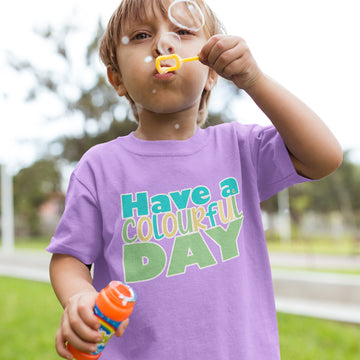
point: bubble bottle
(114, 304)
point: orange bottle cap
(116, 301)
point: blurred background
(55, 103)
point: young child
(174, 210)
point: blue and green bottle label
(107, 329)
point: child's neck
(166, 127)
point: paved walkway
(29, 265)
(325, 295)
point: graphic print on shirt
(188, 217)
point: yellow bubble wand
(178, 62)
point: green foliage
(337, 192)
(32, 187)
(74, 147)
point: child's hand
(79, 326)
(121, 329)
(231, 58)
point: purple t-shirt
(180, 221)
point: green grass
(30, 314)
(319, 270)
(303, 338)
(37, 243)
(314, 245)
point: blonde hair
(138, 9)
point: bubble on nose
(169, 43)
(177, 126)
(186, 14)
(148, 59)
(125, 40)
(154, 91)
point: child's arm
(72, 284)
(314, 150)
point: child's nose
(160, 49)
(156, 51)
(168, 43)
(167, 50)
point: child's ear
(211, 80)
(116, 80)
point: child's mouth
(167, 76)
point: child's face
(167, 93)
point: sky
(309, 46)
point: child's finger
(75, 325)
(80, 318)
(60, 346)
(229, 63)
(85, 309)
(121, 329)
(223, 52)
(78, 342)
(218, 47)
(205, 51)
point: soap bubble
(169, 43)
(125, 40)
(186, 14)
(148, 59)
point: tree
(32, 187)
(338, 192)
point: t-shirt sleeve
(274, 168)
(79, 232)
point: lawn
(30, 314)
(35, 243)
(314, 245)
(305, 338)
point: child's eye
(184, 32)
(141, 36)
